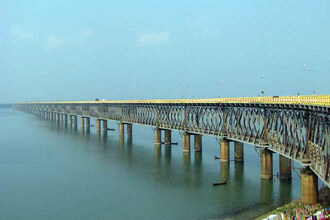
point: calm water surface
(52, 172)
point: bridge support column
(158, 136)
(82, 123)
(285, 168)
(105, 127)
(198, 143)
(266, 164)
(309, 186)
(53, 116)
(168, 138)
(121, 129)
(239, 151)
(129, 131)
(224, 150)
(186, 142)
(98, 126)
(88, 125)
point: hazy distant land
(6, 105)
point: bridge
(295, 127)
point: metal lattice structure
(300, 132)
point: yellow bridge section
(318, 100)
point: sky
(63, 50)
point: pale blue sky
(79, 50)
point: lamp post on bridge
(262, 77)
(183, 90)
(219, 83)
(313, 76)
(306, 68)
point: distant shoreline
(6, 105)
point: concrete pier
(186, 142)
(285, 168)
(239, 151)
(105, 127)
(129, 131)
(309, 186)
(53, 116)
(98, 126)
(88, 124)
(224, 150)
(266, 164)
(168, 138)
(121, 129)
(198, 143)
(82, 123)
(158, 136)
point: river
(49, 171)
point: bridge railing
(315, 100)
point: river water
(52, 172)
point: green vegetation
(295, 207)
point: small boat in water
(219, 183)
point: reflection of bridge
(295, 127)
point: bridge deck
(315, 100)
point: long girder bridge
(295, 127)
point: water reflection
(171, 169)
(239, 179)
(158, 152)
(168, 151)
(101, 140)
(121, 141)
(129, 149)
(239, 172)
(198, 180)
(285, 191)
(186, 168)
(129, 141)
(224, 171)
(198, 159)
(266, 189)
